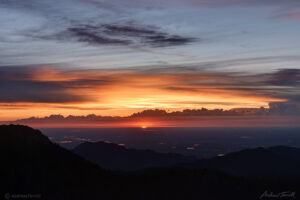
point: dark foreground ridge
(115, 157)
(273, 162)
(31, 164)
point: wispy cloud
(202, 2)
(31, 85)
(285, 77)
(293, 16)
(124, 35)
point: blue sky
(221, 31)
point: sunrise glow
(127, 92)
(208, 56)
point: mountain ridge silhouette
(115, 157)
(273, 162)
(32, 164)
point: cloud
(293, 16)
(105, 89)
(285, 77)
(200, 2)
(122, 35)
(223, 65)
(282, 84)
(74, 21)
(20, 84)
(69, 30)
(247, 2)
(53, 85)
(38, 92)
(288, 81)
(276, 109)
(289, 12)
(285, 108)
(91, 35)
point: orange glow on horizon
(143, 124)
(123, 92)
(244, 121)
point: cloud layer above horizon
(122, 56)
(122, 92)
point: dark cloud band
(128, 35)
(21, 84)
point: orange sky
(200, 121)
(123, 92)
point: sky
(118, 57)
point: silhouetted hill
(33, 165)
(287, 152)
(115, 157)
(273, 162)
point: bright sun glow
(145, 125)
